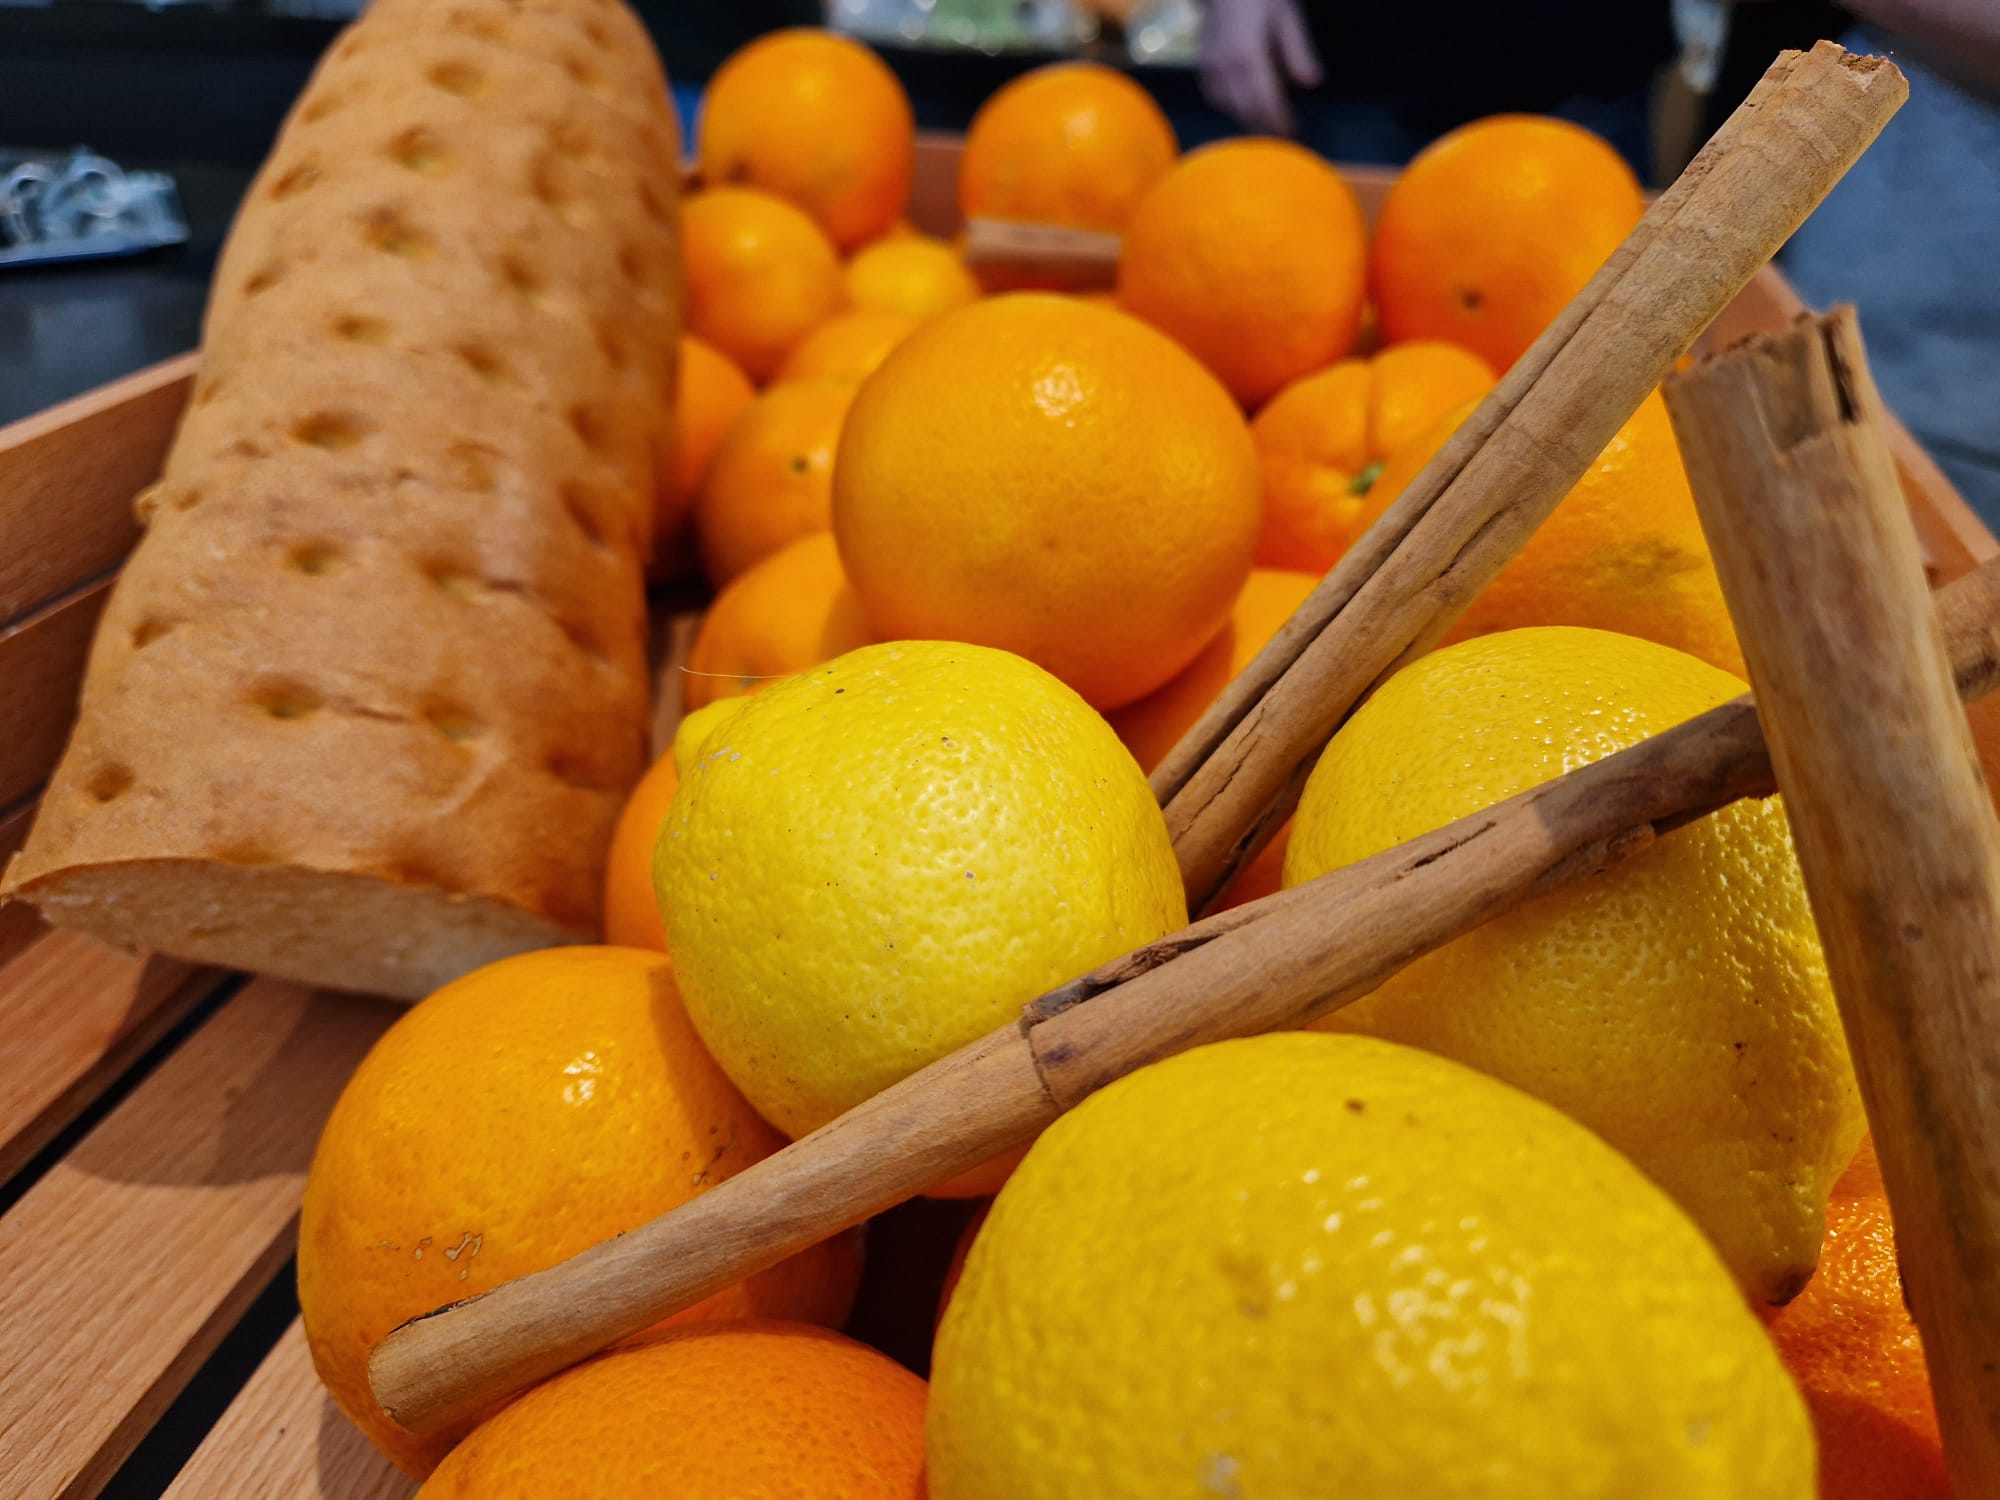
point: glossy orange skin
(1251, 254)
(631, 916)
(1491, 230)
(819, 120)
(1850, 1343)
(1321, 439)
(911, 274)
(516, 1117)
(739, 1411)
(789, 611)
(1624, 550)
(1076, 144)
(771, 481)
(708, 398)
(761, 275)
(1050, 478)
(848, 346)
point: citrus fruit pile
(979, 554)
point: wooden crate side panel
(283, 1435)
(41, 670)
(123, 1267)
(75, 1014)
(68, 475)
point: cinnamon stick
(1897, 839)
(1236, 775)
(1274, 963)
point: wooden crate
(156, 1117)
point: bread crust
(385, 631)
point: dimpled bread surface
(365, 702)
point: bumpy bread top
(387, 617)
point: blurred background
(196, 89)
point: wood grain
(75, 1014)
(1897, 838)
(123, 1267)
(42, 657)
(68, 475)
(283, 1436)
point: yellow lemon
(873, 863)
(1296, 1267)
(1678, 1005)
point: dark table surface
(199, 93)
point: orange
(520, 1115)
(1073, 143)
(631, 915)
(1850, 1343)
(743, 1411)
(710, 396)
(1323, 439)
(1053, 479)
(1250, 253)
(1154, 725)
(911, 274)
(1491, 230)
(817, 119)
(760, 275)
(787, 612)
(847, 346)
(1624, 550)
(772, 477)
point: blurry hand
(1243, 45)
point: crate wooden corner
(127, 1258)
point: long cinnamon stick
(1274, 963)
(1235, 776)
(1896, 836)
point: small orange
(911, 274)
(760, 275)
(710, 396)
(1850, 1343)
(817, 119)
(736, 1411)
(1323, 439)
(1250, 253)
(772, 478)
(516, 1117)
(1054, 479)
(1491, 230)
(784, 613)
(1624, 550)
(631, 915)
(1071, 143)
(847, 346)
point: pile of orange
(1133, 487)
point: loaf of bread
(364, 704)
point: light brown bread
(364, 703)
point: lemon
(1300, 1267)
(1678, 1005)
(871, 864)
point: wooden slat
(41, 666)
(19, 923)
(123, 1267)
(67, 478)
(283, 1435)
(75, 1013)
